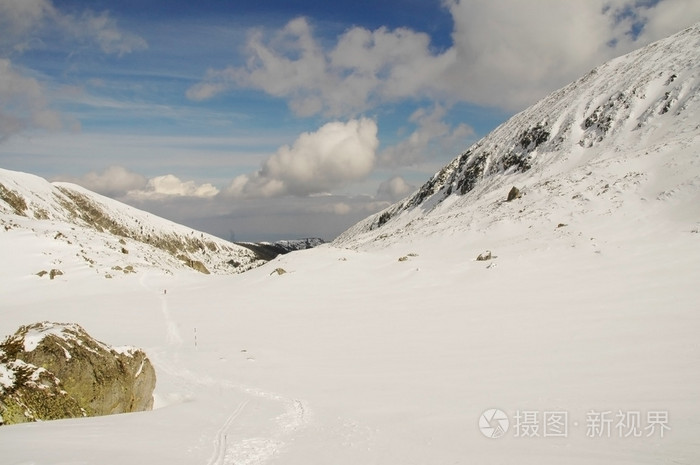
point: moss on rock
(59, 371)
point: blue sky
(263, 120)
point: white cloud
(113, 181)
(505, 53)
(666, 17)
(300, 79)
(334, 155)
(206, 90)
(23, 103)
(394, 189)
(19, 19)
(105, 32)
(365, 68)
(167, 186)
(29, 24)
(118, 182)
(509, 53)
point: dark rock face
(513, 194)
(59, 371)
(54, 272)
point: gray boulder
(83, 376)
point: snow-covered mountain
(641, 108)
(74, 228)
(576, 341)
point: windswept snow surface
(388, 346)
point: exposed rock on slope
(270, 250)
(637, 102)
(50, 371)
(74, 216)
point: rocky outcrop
(75, 217)
(513, 194)
(30, 393)
(51, 370)
(194, 264)
(617, 108)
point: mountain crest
(69, 214)
(620, 105)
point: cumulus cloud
(114, 181)
(505, 53)
(316, 162)
(509, 53)
(120, 183)
(664, 18)
(168, 186)
(364, 68)
(394, 189)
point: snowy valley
(394, 344)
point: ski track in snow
(220, 441)
(172, 332)
(256, 450)
(252, 450)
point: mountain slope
(631, 107)
(77, 228)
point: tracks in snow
(219, 454)
(172, 334)
(249, 450)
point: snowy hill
(640, 110)
(575, 343)
(77, 229)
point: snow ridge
(624, 105)
(106, 234)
